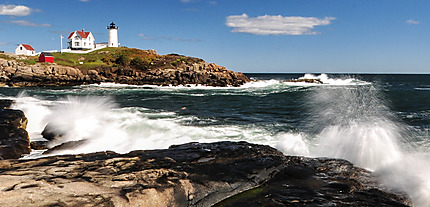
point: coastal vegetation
(142, 60)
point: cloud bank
(14, 10)
(276, 25)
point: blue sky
(331, 36)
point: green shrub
(139, 64)
(123, 60)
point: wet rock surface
(318, 182)
(194, 174)
(14, 139)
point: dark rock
(65, 146)
(14, 140)
(51, 133)
(39, 145)
(318, 182)
(192, 174)
(5, 103)
(306, 80)
(13, 118)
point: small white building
(24, 49)
(80, 40)
(113, 35)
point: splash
(35, 110)
(293, 144)
(80, 118)
(354, 123)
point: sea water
(378, 122)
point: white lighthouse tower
(113, 35)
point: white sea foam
(326, 80)
(255, 83)
(262, 83)
(104, 126)
(157, 87)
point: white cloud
(27, 23)
(14, 10)
(145, 37)
(276, 25)
(411, 21)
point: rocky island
(115, 65)
(217, 174)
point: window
(76, 37)
(20, 48)
(76, 43)
(85, 44)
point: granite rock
(194, 174)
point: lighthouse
(113, 35)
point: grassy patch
(106, 57)
(240, 197)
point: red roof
(28, 47)
(81, 33)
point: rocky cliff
(168, 72)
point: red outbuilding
(46, 57)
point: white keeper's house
(24, 49)
(81, 40)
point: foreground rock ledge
(192, 174)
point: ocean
(378, 122)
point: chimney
(83, 30)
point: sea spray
(354, 123)
(410, 174)
(80, 118)
(35, 110)
(293, 144)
